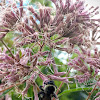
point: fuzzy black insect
(48, 91)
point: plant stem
(62, 82)
(8, 49)
(91, 92)
(39, 70)
(9, 87)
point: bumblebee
(48, 91)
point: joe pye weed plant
(36, 33)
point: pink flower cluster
(86, 62)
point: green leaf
(74, 90)
(20, 53)
(30, 92)
(5, 92)
(43, 2)
(74, 55)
